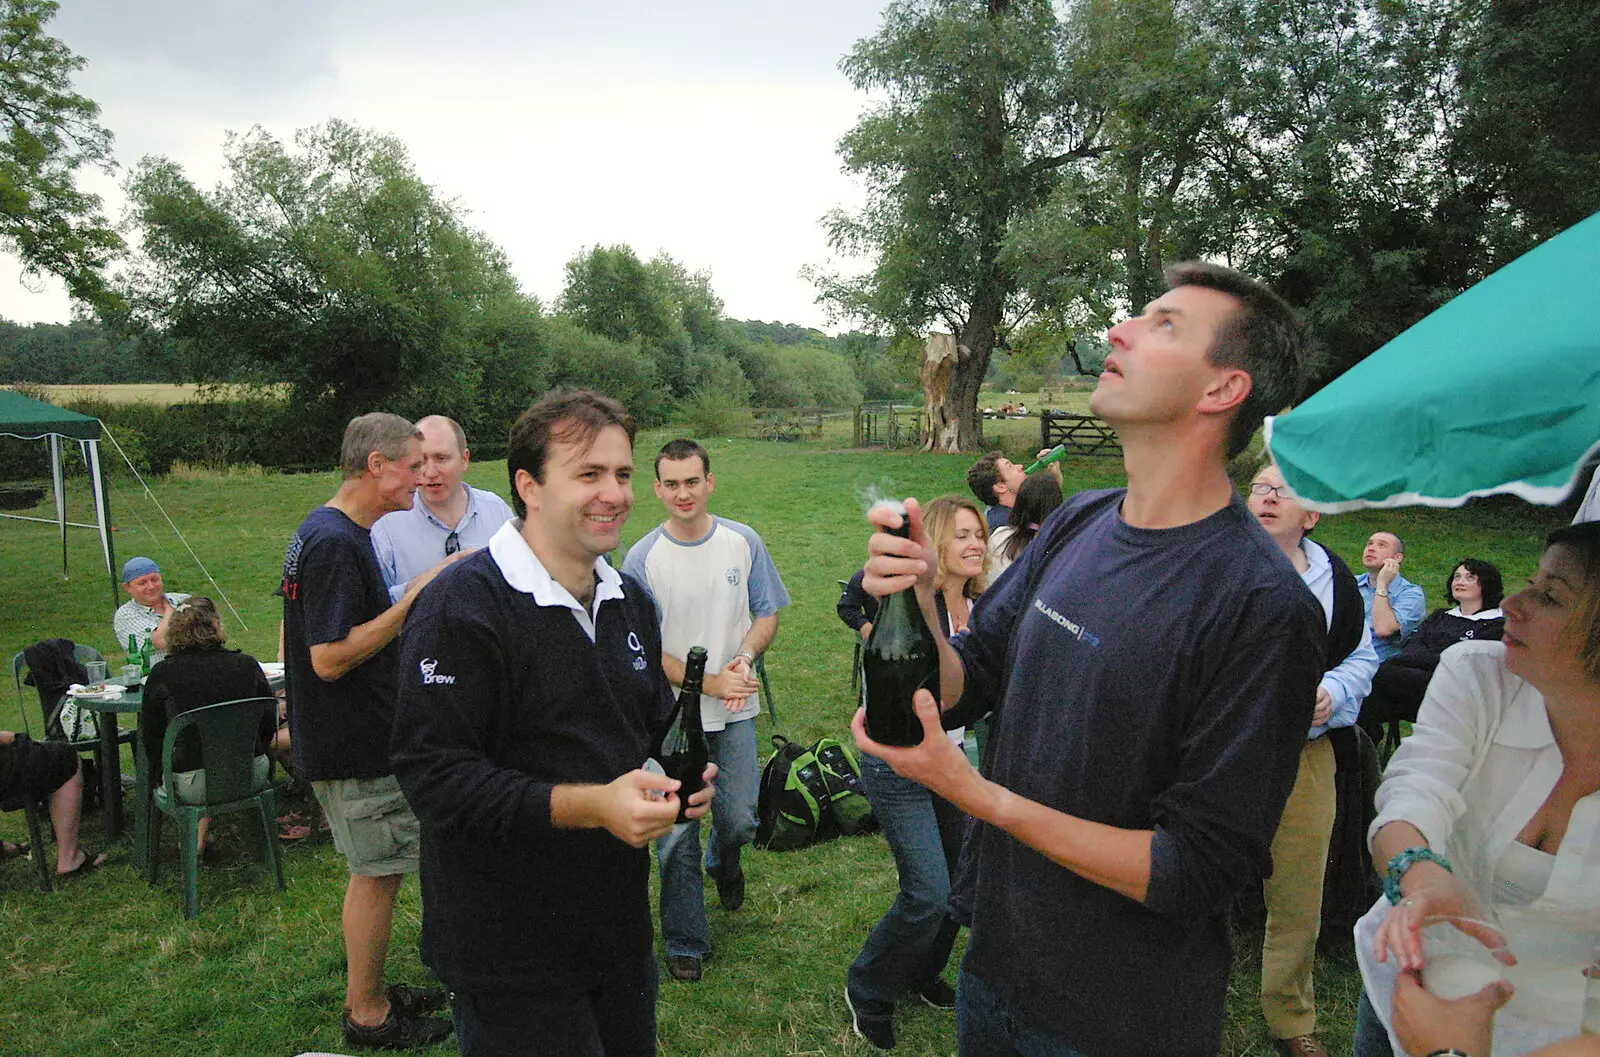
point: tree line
(1032, 165)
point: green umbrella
(1497, 391)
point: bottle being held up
(682, 753)
(901, 657)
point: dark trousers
(1397, 692)
(616, 1018)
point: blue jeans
(733, 825)
(617, 1018)
(1372, 1038)
(910, 945)
(986, 1028)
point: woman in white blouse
(1491, 809)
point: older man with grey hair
(340, 658)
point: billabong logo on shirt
(1082, 633)
(430, 676)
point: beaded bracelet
(1403, 862)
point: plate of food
(95, 691)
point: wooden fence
(1081, 434)
(891, 425)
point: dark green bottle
(900, 658)
(683, 753)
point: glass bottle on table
(682, 752)
(900, 657)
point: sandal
(293, 831)
(12, 851)
(92, 860)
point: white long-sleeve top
(1480, 762)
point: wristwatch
(1381, 592)
(1405, 861)
(748, 658)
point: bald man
(448, 516)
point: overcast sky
(704, 128)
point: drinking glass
(96, 671)
(1456, 964)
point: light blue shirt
(1350, 681)
(1409, 603)
(409, 542)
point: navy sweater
(1150, 680)
(501, 699)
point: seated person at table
(197, 672)
(144, 615)
(48, 770)
(1475, 588)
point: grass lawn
(107, 965)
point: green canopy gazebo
(29, 419)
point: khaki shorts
(372, 824)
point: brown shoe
(1299, 1046)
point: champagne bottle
(900, 658)
(682, 753)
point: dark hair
(570, 416)
(983, 475)
(195, 625)
(682, 448)
(1038, 496)
(1264, 338)
(1488, 578)
(1584, 541)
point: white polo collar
(524, 571)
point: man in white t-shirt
(715, 586)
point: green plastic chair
(229, 738)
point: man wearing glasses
(449, 515)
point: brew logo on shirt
(430, 675)
(733, 576)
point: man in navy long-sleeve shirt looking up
(1152, 661)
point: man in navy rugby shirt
(531, 693)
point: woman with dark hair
(1490, 811)
(1475, 588)
(196, 672)
(1038, 496)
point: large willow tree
(975, 114)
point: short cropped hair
(195, 625)
(570, 416)
(376, 431)
(1489, 580)
(682, 448)
(1399, 544)
(1584, 541)
(1264, 338)
(983, 475)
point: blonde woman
(908, 948)
(197, 671)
